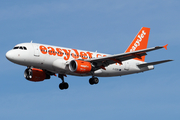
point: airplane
(44, 61)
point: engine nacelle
(34, 75)
(79, 66)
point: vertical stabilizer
(140, 42)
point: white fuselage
(56, 60)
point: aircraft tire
(66, 85)
(96, 80)
(63, 86)
(91, 81)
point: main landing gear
(63, 85)
(93, 80)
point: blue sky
(102, 25)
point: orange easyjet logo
(67, 53)
(138, 41)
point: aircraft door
(126, 66)
(36, 51)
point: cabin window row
(61, 53)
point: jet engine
(79, 66)
(35, 75)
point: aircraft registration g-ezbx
(43, 61)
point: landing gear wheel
(96, 80)
(28, 74)
(93, 80)
(66, 85)
(63, 86)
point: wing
(102, 62)
(153, 63)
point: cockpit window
(24, 48)
(16, 48)
(20, 47)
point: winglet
(165, 46)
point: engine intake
(79, 66)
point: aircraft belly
(118, 70)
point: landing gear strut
(63, 85)
(93, 80)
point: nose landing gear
(28, 74)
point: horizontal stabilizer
(153, 63)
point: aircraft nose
(9, 55)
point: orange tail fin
(140, 42)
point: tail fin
(140, 42)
